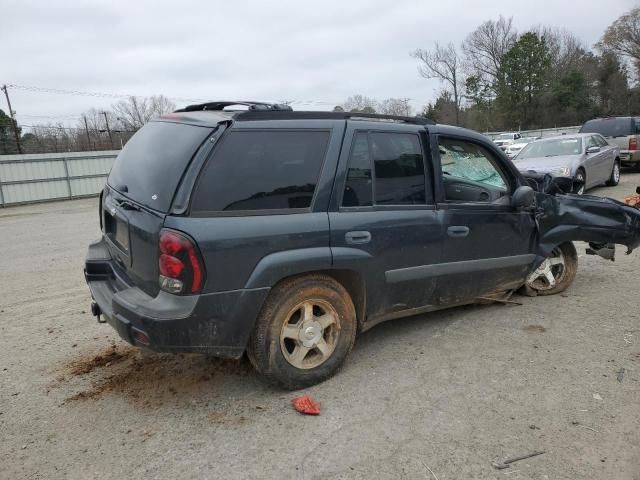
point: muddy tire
(304, 332)
(614, 179)
(555, 274)
(580, 179)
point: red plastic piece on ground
(306, 405)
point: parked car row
(590, 158)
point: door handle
(458, 231)
(358, 237)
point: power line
(55, 127)
(59, 91)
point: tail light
(633, 143)
(181, 267)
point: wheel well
(353, 283)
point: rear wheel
(579, 182)
(305, 331)
(556, 273)
(614, 179)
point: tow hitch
(95, 310)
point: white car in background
(515, 148)
(505, 139)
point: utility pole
(86, 129)
(106, 120)
(14, 123)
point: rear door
(595, 163)
(608, 156)
(489, 245)
(139, 193)
(383, 218)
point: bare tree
(442, 63)
(486, 46)
(565, 49)
(623, 36)
(396, 106)
(134, 112)
(360, 103)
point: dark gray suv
(284, 234)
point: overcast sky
(300, 50)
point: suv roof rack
(221, 105)
(291, 115)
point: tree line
(500, 79)
(95, 129)
(496, 79)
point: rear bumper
(629, 156)
(216, 323)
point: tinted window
(151, 164)
(262, 170)
(358, 189)
(591, 142)
(609, 127)
(399, 169)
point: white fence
(53, 176)
(541, 132)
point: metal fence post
(66, 172)
(1, 194)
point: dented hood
(566, 217)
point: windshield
(609, 127)
(151, 164)
(552, 148)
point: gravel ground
(434, 396)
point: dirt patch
(148, 378)
(534, 328)
(87, 364)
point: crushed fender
(564, 217)
(306, 405)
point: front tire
(556, 273)
(614, 179)
(304, 332)
(580, 181)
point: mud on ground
(449, 393)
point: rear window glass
(150, 165)
(609, 127)
(262, 170)
(399, 169)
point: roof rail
(291, 115)
(221, 105)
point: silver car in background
(587, 158)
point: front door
(384, 224)
(489, 245)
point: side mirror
(593, 149)
(523, 197)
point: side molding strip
(451, 268)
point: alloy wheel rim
(310, 334)
(616, 172)
(550, 273)
(580, 178)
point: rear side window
(398, 170)
(262, 170)
(151, 164)
(609, 127)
